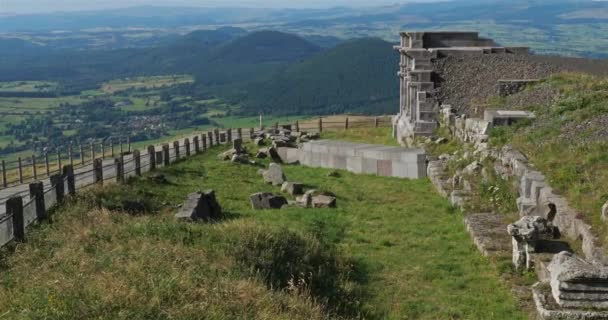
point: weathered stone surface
(200, 206)
(293, 188)
(547, 309)
(323, 201)
(488, 233)
(258, 141)
(576, 283)
(262, 154)
(473, 168)
(266, 200)
(237, 145)
(306, 199)
(240, 158)
(274, 175)
(525, 234)
(227, 155)
(274, 154)
(605, 212)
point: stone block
(274, 175)
(266, 200)
(200, 206)
(323, 201)
(293, 188)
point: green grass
(577, 167)
(396, 248)
(151, 82)
(364, 135)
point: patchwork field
(153, 82)
(393, 249)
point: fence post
(239, 133)
(297, 126)
(166, 155)
(346, 123)
(34, 169)
(375, 122)
(68, 172)
(187, 145)
(137, 160)
(118, 166)
(14, 208)
(121, 147)
(223, 137)
(128, 144)
(152, 157)
(37, 193)
(46, 164)
(216, 132)
(4, 182)
(103, 149)
(111, 148)
(176, 147)
(204, 140)
(71, 154)
(98, 171)
(58, 185)
(81, 155)
(320, 124)
(197, 146)
(276, 126)
(251, 132)
(20, 170)
(229, 134)
(58, 161)
(92, 151)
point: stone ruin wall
(444, 80)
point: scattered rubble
(293, 188)
(323, 201)
(526, 233)
(267, 200)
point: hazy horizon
(51, 6)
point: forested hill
(356, 76)
(267, 71)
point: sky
(46, 6)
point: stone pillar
(239, 133)
(58, 185)
(222, 137)
(137, 160)
(251, 133)
(216, 133)
(210, 138)
(204, 140)
(176, 147)
(14, 208)
(229, 134)
(152, 157)
(68, 173)
(166, 154)
(187, 145)
(120, 169)
(197, 146)
(37, 193)
(98, 171)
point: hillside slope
(355, 76)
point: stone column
(120, 169)
(68, 172)
(176, 147)
(197, 147)
(166, 154)
(137, 160)
(58, 185)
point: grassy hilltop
(392, 249)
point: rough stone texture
(240, 158)
(274, 175)
(262, 154)
(605, 212)
(258, 141)
(274, 155)
(306, 199)
(200, 206)
(473, 168)
(526, 233)
(266, 200)
(227, 155)
(323, 201)
(293, 188)
(488, 233)
(576, 283)
(548, 309)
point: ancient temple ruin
(418, 110)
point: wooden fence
(27, 203)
